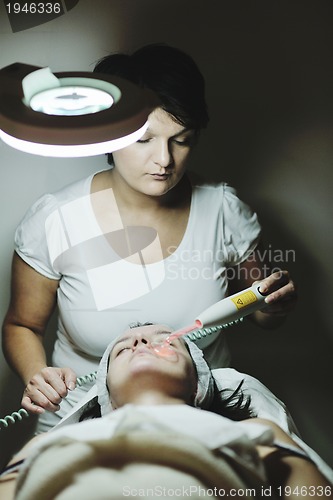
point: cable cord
(203, 332)
(19, 415)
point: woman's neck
(154, 398)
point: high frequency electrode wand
(232, 308)
(225, 311)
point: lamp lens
(71, 101)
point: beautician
(104, 249)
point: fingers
(47, 388)
(278, 286)
(69, 378)
(281, 292)
(28, 404)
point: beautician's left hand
(281, 293)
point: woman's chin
(157, 188)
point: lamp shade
(70, 114)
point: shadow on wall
(271, 137)
(295, 360)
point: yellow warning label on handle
(244, 299)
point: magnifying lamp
(70, 114)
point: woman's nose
(162, 154)
(140, 340)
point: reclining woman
(162, 436)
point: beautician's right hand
(47, 388)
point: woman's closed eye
(143, 141)
(123, 349)
(183, 141)
(179, 141)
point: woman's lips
(160, 177)
(143, 350)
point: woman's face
(135, 366)
(156, 163)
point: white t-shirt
(101, 290)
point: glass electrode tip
(164, 350)
(164, 347)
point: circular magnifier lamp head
(71, 101)
(70, 114)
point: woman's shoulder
(74, 190)
(222, 194)
(200, 182)
(50, 201)
(212, 190)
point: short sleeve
(241, 228)
(31, 242)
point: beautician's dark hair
(171, 74)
